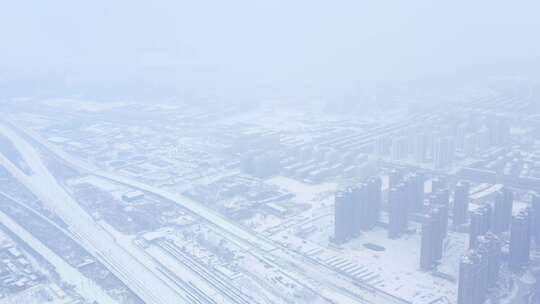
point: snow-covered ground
(314, 195)
(83, 285)
(140, 279)
(396, 268)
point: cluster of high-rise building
(412, 144)
(441, 200)
(495, 217)
(535, 212)
(416, 145)
(431, 246)
(357, 208)
(479, 269)
(481, 132)
(398, 218)
(400, 148)
(502, 210)
(443, 152)
(405, 195)
(415, 192)
(438, 145)
(480, 223)
(461, 204)
(520, 240)
(434, 228)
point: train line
(211, 277)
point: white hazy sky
(273, 40)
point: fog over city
(255, 48)
(268, 152)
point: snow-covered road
(139, 276)
(83, 285)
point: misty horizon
(254, 48)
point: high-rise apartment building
(461, 203)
